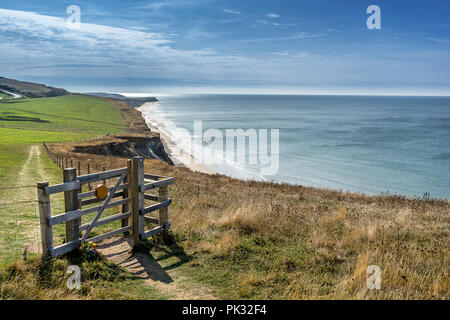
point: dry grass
(99, 280)
(276, 241)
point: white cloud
(231, 11)
(272, 15)
(297, 36)
(24, 36)
(439, 40)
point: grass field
(34, 121)
(24, 163)
(70, 114)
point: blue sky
(309, 46)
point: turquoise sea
(371, 144)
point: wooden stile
(130, 189)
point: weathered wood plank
(157, 206)
(151, 220)
(44, 215)
(88, 194)
(137, 196)
(95, 200)
(126, 206)
(68, 186)
(66, 247)
(153, 177)
(164, 210)
(156, 184)
(67, 216)
(102, 175)
(103, 207)
(151, 233)
(109, 234)
(151, 197)
(106, 220)
(71, 203)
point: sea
(371, 144)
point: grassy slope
(252, 240)
(71, 119)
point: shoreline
(194, 165)
(169, 146)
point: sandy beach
(169, 145)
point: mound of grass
(100, 279)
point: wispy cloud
(272, 15)
(297, 36)
(231, 11)
(439, 40)
(27, 35)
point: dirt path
(31, 173)
(167, 279)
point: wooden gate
(128, 184)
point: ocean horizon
(370, 144)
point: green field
(61, 119)
(24, 125)
(70, 114)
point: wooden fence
(130, 185)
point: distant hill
(133, 102)
(31, 90)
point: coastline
(169, 146)
(173, 140)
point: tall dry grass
(267, 240)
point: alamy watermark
(74, 280)
(373, 280)
(73, 22)
(231, 146)
(374, 20)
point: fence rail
(131, 185)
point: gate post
(71, 203)
(163, 212)
(126, 193)
(137, 198)
(45, 214)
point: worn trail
(167, 279)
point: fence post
(163, 212)
(44, 215)
(71, 203)
(137, 197)
(89, 171)
(66, 163)
(104, 169)
(71, 163)
(126, 206)
(79, 168)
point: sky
(205, 46)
